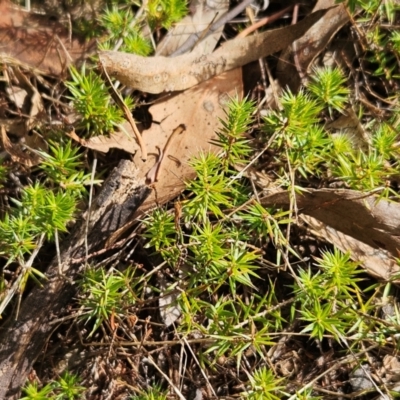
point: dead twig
(118, 99)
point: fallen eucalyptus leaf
(38, 43)
(199, 109)
(359, 215)
(102, 143)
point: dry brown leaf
(118, 140)
(359, 215)
(29, 100)
(158, 74)
(14, 126)
(390, 370)
(35, 106)
(376, 262)
(35, 141)
(199, 109)
(16, 95)
(203, 12)
(35, 41)
(15, 151)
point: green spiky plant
(225, 295)
(305, 147)
(153, 393)
(42, 210)
(380, 43)
(66, 387)
(221, 223)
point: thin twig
(177, 391)
(264, 21)
(118, 99)
(201, 369)
(89, 207)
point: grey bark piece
(158, 74)
(21, 341)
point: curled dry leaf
(37, 42)
(376, 262)
(158, 74)
(35, 106)
(359, 215)
(28, 99)
(15, 151)
(117, 140)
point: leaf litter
(349, 219)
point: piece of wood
(162, 74)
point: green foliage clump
(220, 218)
(41, 210)
(304, 146)
(45, 207)
(92, 101)
(380, 43)
(121, 24)
(328, 86)
(323, 296)
(164, 13)
(66, 387)
(264, 386)
(125, 28)
(385, 9)
(105, 295)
